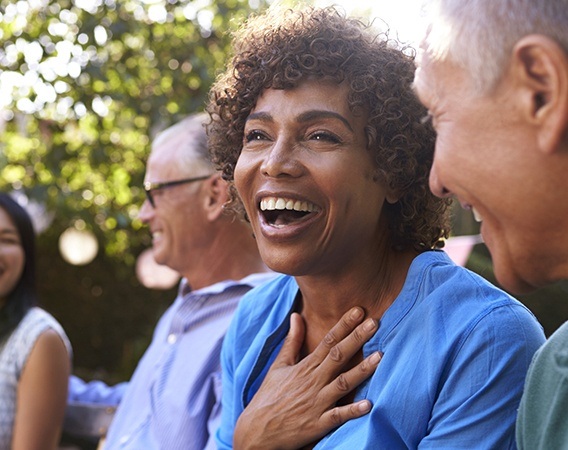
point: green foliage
(84, 87)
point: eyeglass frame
(151, 186)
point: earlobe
(392, 198)
(541, 68)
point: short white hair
(479, 35)
(194, 151)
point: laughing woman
(316, 125)
(34, 350)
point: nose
(436, 185)
(281, 160)
(146, 212)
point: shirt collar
(252, 280)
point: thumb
(290, 351)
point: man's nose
(436, 185)
(146, 211)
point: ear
(216, 195)
(540, 66)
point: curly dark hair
(280, 50)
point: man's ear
(541, 68)
(217, 194)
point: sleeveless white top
(14, 352)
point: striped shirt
(173, 400)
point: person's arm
(296, 403)
(90, 407)
(94, 392)
(41, 396)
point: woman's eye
(9, 241)
(254, 135)
(325, 136)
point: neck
(373, 285)
(231, 255)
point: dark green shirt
(542, 422)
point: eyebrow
(307, 116)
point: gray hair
(479, 35)
(194, 151)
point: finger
(340, 414)
(341, 329)
(290, 352)
(342, 353)
(347, 381)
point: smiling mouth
(279, 211)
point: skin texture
(306, 144)
(505, 153)
(296, 148)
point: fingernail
(375, 358)
(356, 313)
(370, 325)
(364, 406)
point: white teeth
(279, 203)
(476, 215)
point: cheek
(20, 268)
(452, 147)
(243, 178)
(17, 262)
(239, 174)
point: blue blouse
(456, 352)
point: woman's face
(306, 179)
(11, 256)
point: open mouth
(278, 211)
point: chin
(159, 258)
(513, 281)
(281, 263)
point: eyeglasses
(149, 186)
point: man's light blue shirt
(456, 352)
(173, 399)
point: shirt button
(124, 439)
(172, 338)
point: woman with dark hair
(34, 350)
(317, 128)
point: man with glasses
(173, 398)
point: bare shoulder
(49, 356)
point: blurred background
(84, 87)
